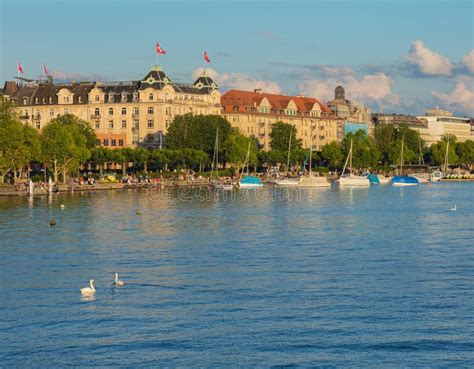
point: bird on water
(88, 291)
(118, 283)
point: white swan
(88, 291)
(118, 283)
(455, 208)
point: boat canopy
(250, 180)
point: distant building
(441, 122)
(354, 116)
(416, 123)
(122, 113)
(255, 112)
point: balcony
(135, 129)
(135, 115)
(95, 116)
(37, 117)
(24, 117)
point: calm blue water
(379, 277)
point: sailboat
(215, 164)
(311, 180)
(249, 181)
(352, 180)
(401, 180)
(287, 182)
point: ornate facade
(254, 113)
(122, 114)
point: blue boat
(250, 181)
(404, 181)
(373, 179)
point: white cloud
(239, 81)
(427, 61)
(461, 98)
(468, 61)
(370, 87)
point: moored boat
(350, 179)
(250, 182)
(400, 181)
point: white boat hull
(398, 184)
(248, 185)
(354, 181)
(287, 182)
(312, 181)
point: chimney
(258, 91)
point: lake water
(379, 277)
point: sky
(393, 56)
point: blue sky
(394, 56)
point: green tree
(197, 132)
(438, 150)
(19, 143)
(280, 137)
(332, 154)
(64, 148)
(236, 148)
(141, 156)
(364, 152)
(81, 126)
(100, 156)
(465, 152)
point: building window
(106, 142)
(97, 125)
(135, 111)
(36, 100)
(168, 111)
(113, 142)
(120, 142)
(97, 98)
(124, 111)
(66, 111)
(97, 112)
(124, 96)
(135, 124)
(38, 124)
(135, 138)
(66, 99)
(111, 124)
(135, 96)
(51, 112)
(44, 100)
(79, 99)
(111, 111)
(111, 97)
(150, 97)
(150, 123)
(25, 101)
(124, 124)
(150, 110)
(167, 123)
(50, 100)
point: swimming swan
(118, 283)
(455, 208)
(88, 291)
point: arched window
(97, 111)
(150, 97)
(111, 111)
(124, 111)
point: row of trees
(67, 143)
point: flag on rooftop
(20, 68)
(45, 70)
(159, 50)
(206, 57)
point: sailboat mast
(446, 157)
(248, 159)
(401, 156)
(288, 161)
(311, 149)
(350, 155)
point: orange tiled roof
(248, 99)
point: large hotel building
(122, 114)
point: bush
(37, 178)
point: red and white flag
(20, 68)
(45, 70)
(159, 50)
(206, 57)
